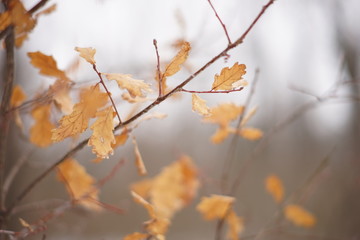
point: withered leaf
(135, 87)
(40, 132)
(275, 187)
(299, 216)
(228, 77)
(199, 105)
(87, 54)
(223, 114)
(215, 206)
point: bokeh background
(307, 94)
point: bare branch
(221, 22)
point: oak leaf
(228, 77)
(78, 183)
(135, 87)
(299, 216)
(250, 133)
(40, 132)
(199, 105)
(103, 137)
(157, 225)
(138, 160)
(87, 54)
(275, 187)
(236, 225)
(136, 236)
(46, 64)
(215, 206)
(174, 65)
(91, 100)
(223, 114)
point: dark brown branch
(212, 91)
(142, 112)
(107, 92)
(221, 22)
(5, 103)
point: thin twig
(14, 170)
(158, 72)
(107, 92)
(82, 144)
(212, 91)
(233, 145)
(221, 22)
(5, 103)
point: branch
(158, 72)
(212, 91)
(221, 22)
(5, 103)
(82, 144)
(107, 92)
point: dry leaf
(18, 96)
(221, 134)
(299, 216)
(78, 183)
(228, 77)
(248, 116)
(103, 137)
(5, 20)
(127, 97)
(275, 187)
(215, 206)
(174, 65)
(135, 87)
(142, 187)
(136, 236)
(25, 224)
(199, 105)
(223, 114)
(47, 11)
(40, 132)
(77, 122)
(87, 54)
(46, 64)
(236, 225)
(157, 225)
(250, 133)
(138, 160)
(60, 91)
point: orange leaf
(87, 54)
(228, 77)
(46, 64)
(77, 122)
(47, 11)
(40, 132)
(138, 160)
(174, 65)
(5, 20)
(18, 96)
(136, 236)
(142, 187)
(135, 87)
(103, 137)
(299, 216)
(157, 225)
(275, 187)
(215, 206)
(248, 116)
(221, 134)
(79, 184)
(199, 105)
(236, 225)
(224, 114)
(60, 92)
(250, 133)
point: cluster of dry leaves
(177, 184)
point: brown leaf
(223, 114)
(236, 225)
(77, 122)
(138, 160)
(87, 54)
(78, 183)
(221, 134)
(228, 77)
(215, 206)
(174, 65)
(103, 137)
(250, 133)
(40, 132)
(299, 216)
(275, 187)
(18, 96)
(136, 236)
(5, 20)
(135, 87)
(199, 105)
(46, 11)
(46, 64)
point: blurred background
(307, 94)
